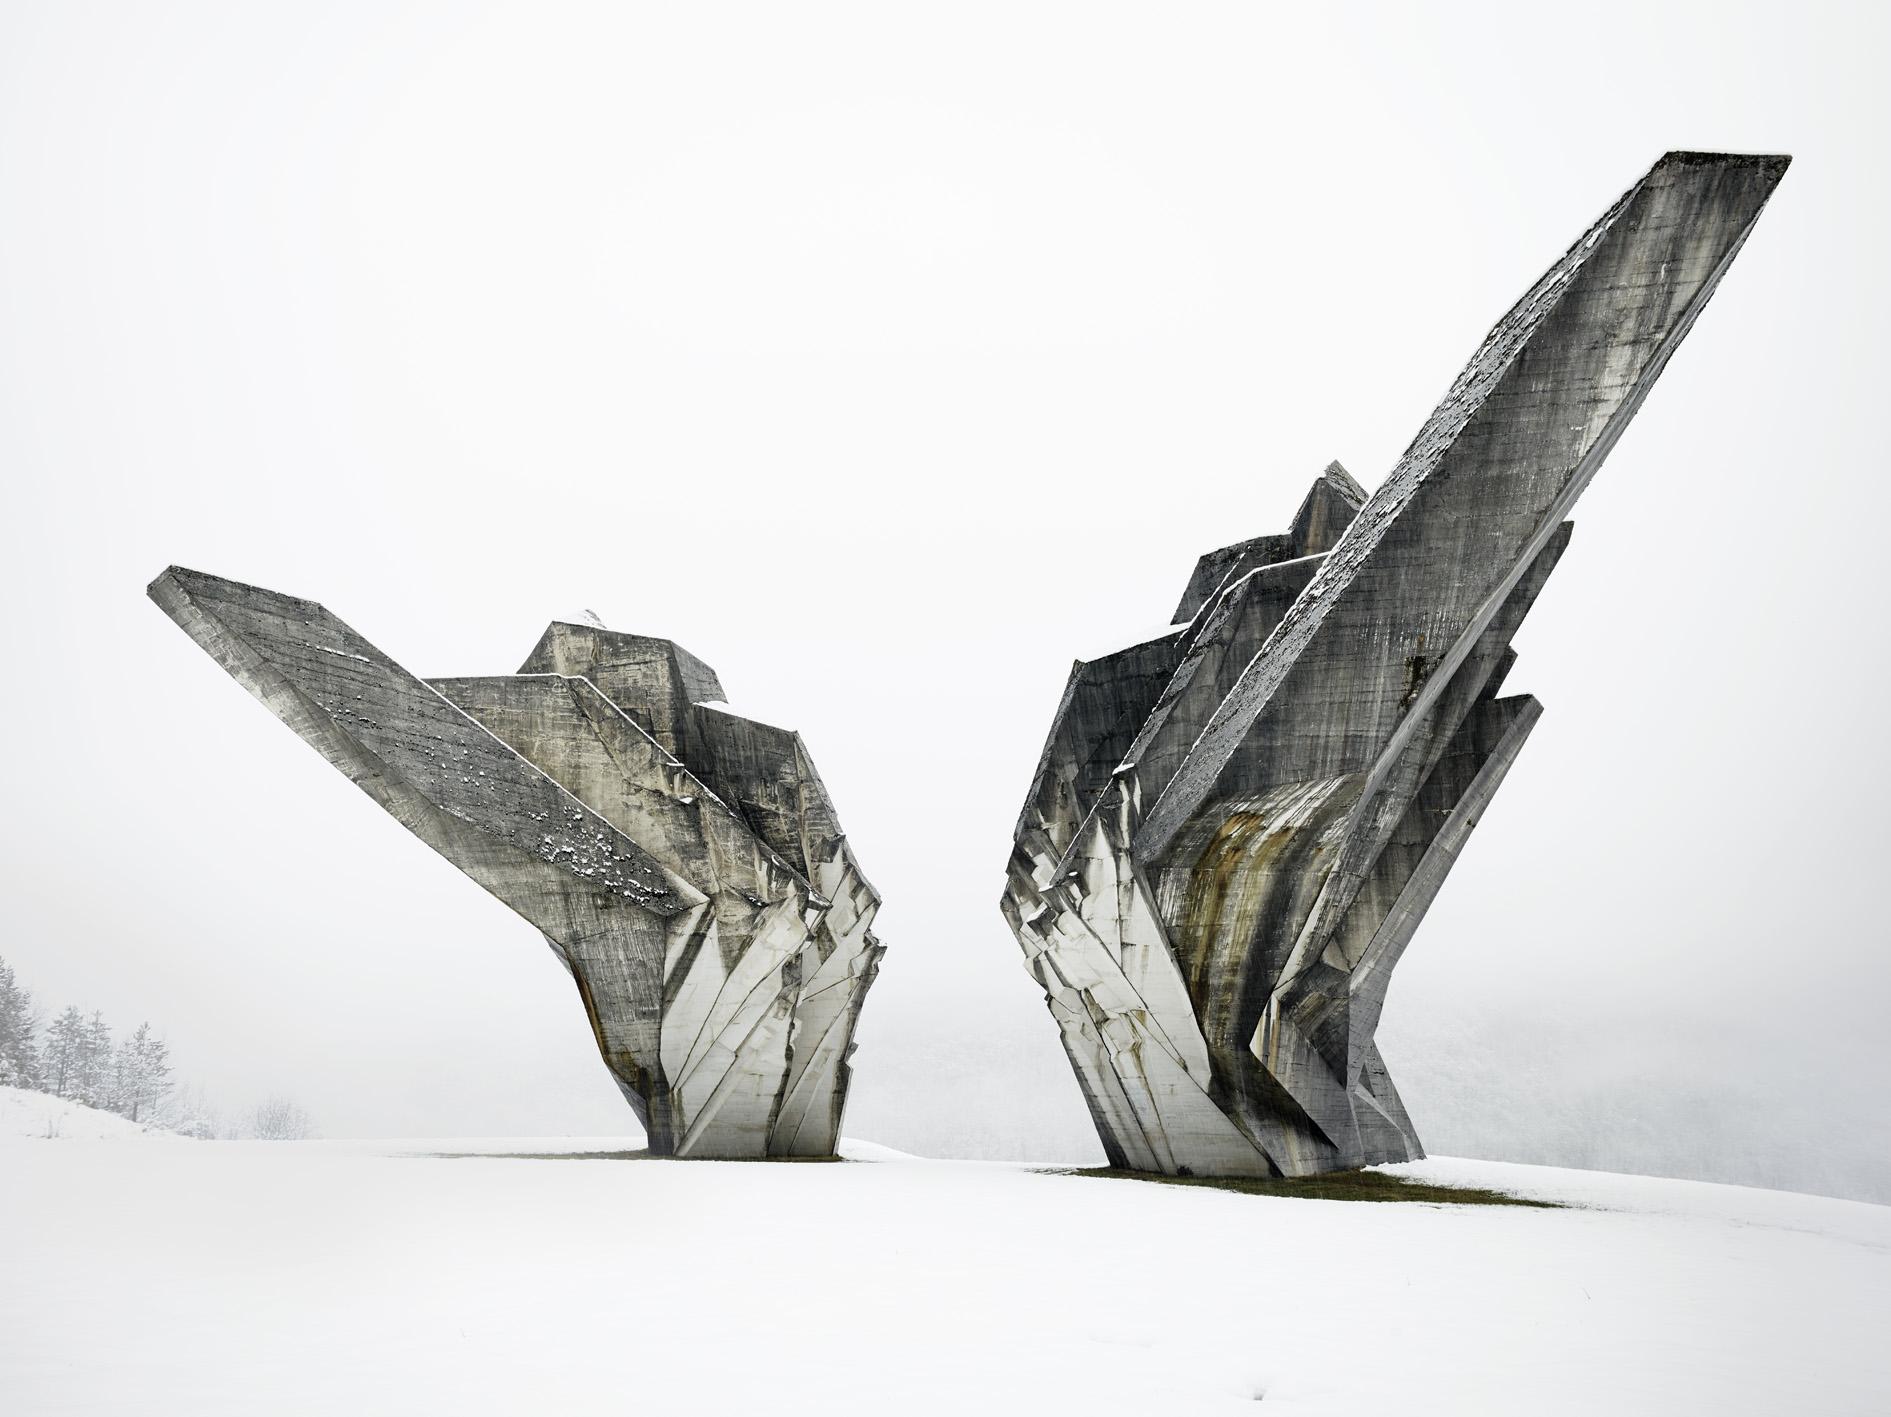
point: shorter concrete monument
(685, 863)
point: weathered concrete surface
(684, 863)
(1236, 827)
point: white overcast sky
(888, 357)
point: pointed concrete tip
(1773, 164)
(591, 627)
(182, 580)
(1336, 474)
(169, 573)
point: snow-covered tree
(141, 1074)
(280, 1119)
(62, 1060)
(93, 1085)
(19, 1024)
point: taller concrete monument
(684, 862)
(1235, 827)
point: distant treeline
(76, 1057)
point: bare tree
(189, 1113)
(280, 1119)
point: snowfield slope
(41, 1115)
(326, 1277)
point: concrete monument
(684, 862)
(1235, 827)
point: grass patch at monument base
(641, 1154)
(1378, 1186)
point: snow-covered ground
(41, 1115)
(356, 1277)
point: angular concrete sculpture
(685, 863)
(1236, 827)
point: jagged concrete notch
(1236, 827)
(685, 863)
